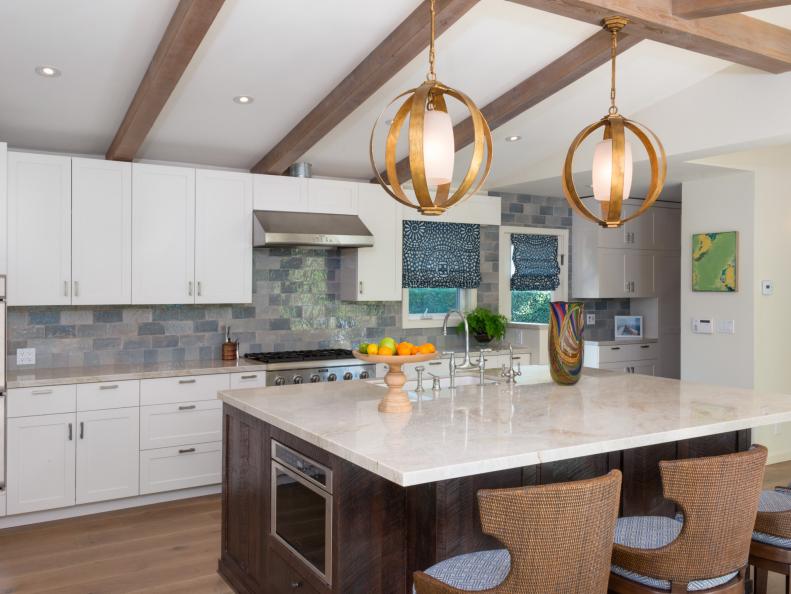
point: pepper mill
(229, 347)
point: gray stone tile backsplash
(296, 305)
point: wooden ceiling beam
(399, 48)
(187, 28)
(733, 37)
(573, 65)
(699, 9)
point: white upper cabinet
(223, 237)
(667, 228)
(39, 229)
(478, 209)
(101, 232)
(3, 209)
(636, 234)
(332, 196)
(280, 192)
(374, 273)
(163, 234)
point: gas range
(313, 366)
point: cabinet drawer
(180, 389)
(284, 579)
(167, 425)
(627, 352)
(50, 400)
(108, 395)
(167, 469)
(251, 379)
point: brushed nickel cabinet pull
(361, 287)
(187, 381)
(188, 407)
(187, 451)
(200, 289)
(436, 363)
(71, 436)
(41, 392)
(189, 288)
(109, 387)
(65, 288)
(645, 346)
(76, 288)
(82, 430)
(615, 348)
(246, 377)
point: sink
(444, 382)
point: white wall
(719, 204)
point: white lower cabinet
(107, 454)
(166, 425)
(638, 358)
(181, 467)
(637, 367)
(41, 462)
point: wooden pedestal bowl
(396, 400)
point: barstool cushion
(653, 532)
(473, 571)
(774, 501)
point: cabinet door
(40, 462)
(108, 454)
(39, 229)
(223, 237)
(101, 232)
(640, 272)
(280, 192)
(334, 197)
(644, 367)
(612, 274)
(667, 227)
(163, 234)
(639, 232)
(3, 225)
(379, 267)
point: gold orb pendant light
(612, 161)
(432, 146)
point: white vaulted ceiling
(289, 55)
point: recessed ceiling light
(48, 71)
(512, 138)
(243, 99)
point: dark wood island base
(380, 532)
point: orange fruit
(413, 350)
(423, 349)
(385, 351)
(404, 349)
(373, 349)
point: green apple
(388, 342)
(363, 348)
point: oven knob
(315, 378)
(332, 377)
(279, 380)
(364, 375)
(348, 375)
(297, 379)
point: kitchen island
(322, 493)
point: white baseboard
(776, 457)
(105, 506)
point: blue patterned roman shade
(535, 263)
(441, 255)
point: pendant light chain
(613, 53)
(432, 55)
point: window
(533, 272)
(442, 270)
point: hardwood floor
(165, 548)
(168, 548)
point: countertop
(621, 341)
(477, 429)
(33, 378)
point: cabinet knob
(296, 585)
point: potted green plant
(485, 325)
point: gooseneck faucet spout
(466, 364)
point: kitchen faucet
(466, 364)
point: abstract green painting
(714, 262)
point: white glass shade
(602, 170)
(439, 148)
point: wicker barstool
(558, 539)
(771, 546)
(705, 550)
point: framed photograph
(715, 262)
(628, 326)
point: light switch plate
(590, 319)
(767, 287)
(726, 327)
(26, 356)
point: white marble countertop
(621, 341)
(478, 429)
(33, 378)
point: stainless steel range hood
(274, 228)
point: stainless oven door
(302, 519)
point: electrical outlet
(26, 356)
(590, 319)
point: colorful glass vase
(566, 344)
